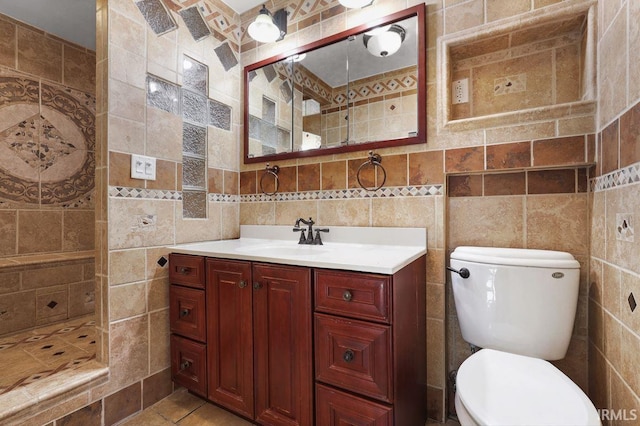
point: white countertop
(378, 250)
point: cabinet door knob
(242, 284)
(185, 364)
(347, 296)
(184, 312)
(257, 286)
(348, 355)
(184, 270)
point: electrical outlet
(460, 91)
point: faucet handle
(303, 238)
(317, 240)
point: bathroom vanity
(282, 333)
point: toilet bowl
(502, 389)
(519, 305)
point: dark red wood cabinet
(288, 345)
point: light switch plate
(143, 167)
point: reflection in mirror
(271, 109)
(361, 87)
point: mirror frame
(421, 136)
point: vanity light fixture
(352, 4)
(267, 28)
(384, 43)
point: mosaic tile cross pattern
(38, 354)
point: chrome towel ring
(374, 160)
(270, 171)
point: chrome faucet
(309, 238)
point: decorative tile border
(141, 193)
(344, 194)
(340, 194)
(621, 177)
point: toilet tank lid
(516, 257)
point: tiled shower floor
(30, 356)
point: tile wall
(47, 161)
(614, 318)
(528, 170)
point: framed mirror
(363, 88)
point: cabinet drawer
(189, 364)
(186, 270)
(335, 408)
(187, 312)
(354, 355)
(356, 295)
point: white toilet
(519, 305)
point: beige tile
(191, 230)
(178, 405)
(79, 69)
(8, 229)
(435, 301)
(126, 266)
(612, 70)
(623, 401)
(19, 311)
(630, 358)
(258, 213)
(158, 293)
(574, 364)
(486, 221)
(497, 9)
(612, 341)
(126, 101)
(122, 404)
(127, 67)
(289, 211)
(164, 135)
(630, 285)
(405, 212)
(79, 230)
(435, 353)
(156, 387)
(230, 220)
(37, 277)
(154, 269)
(212, 415)
(597, 227)
(129, 351)
(147, 418)
(126, 135)
(52, 304)
(464, 15)
(39, 55)
(148, 223)
(344, 212)
(126, 33)
(160, 354)
(127, 300)
(33, 224)
(547, 214)
(598, 381)
(625, 254)
(611, 289)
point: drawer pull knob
(257, 286)
(348, 355)
(184, 312)
(347, 296)
(185, 364)
(242, 284)
(184, 270)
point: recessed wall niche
(540, 66)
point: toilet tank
(516, 300)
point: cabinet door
(229, 335)
(283, 345)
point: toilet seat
(499, 388)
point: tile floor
(30, 356)
(184, 409)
